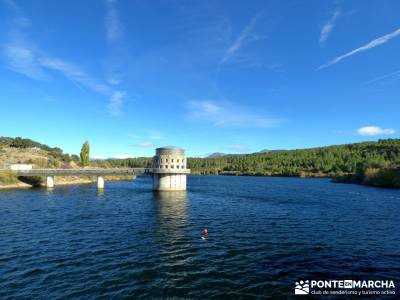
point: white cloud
(329, 26)
(25, 58)
(374, 130)
(245, 36)
(374, 43)
(114, 27)
(74, 74)
(36, 65)
(224, 114)
(116, 101)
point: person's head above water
(205, 231)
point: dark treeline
(329, 161)
(359, 162)
(138, 162)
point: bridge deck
(81, 172)
(97, 172)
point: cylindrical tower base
(169, 182)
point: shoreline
(22, 185)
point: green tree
(85, 154)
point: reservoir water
(265, 233)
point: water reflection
(172, 227)
(171, 212)
(100, 193)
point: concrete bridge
(100, 173)
(169, 171)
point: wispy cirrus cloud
(116, 101)
(24, 57)
(118, 52)
(114, 27)
(23, 60)
(225, 114)
(372, 44)
(37, 65)
(374, 130)
(329, 26)
(246, 36)
(74, 73)
(390, 77)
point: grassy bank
(373, 176)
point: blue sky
(226, 76)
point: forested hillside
(331, 160)
(375, 163)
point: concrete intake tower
(169, 169)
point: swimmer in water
(205, 233)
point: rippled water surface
(264, 233)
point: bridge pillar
(100, 182)
(50, 181)
(169, 169)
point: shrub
(8, 177)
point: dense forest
(373, 163)
(329, 161)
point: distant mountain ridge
(216, 154)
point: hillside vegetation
(329, 161)
(372, 163)
(26, 151)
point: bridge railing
(98, 172)
(82, 172)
